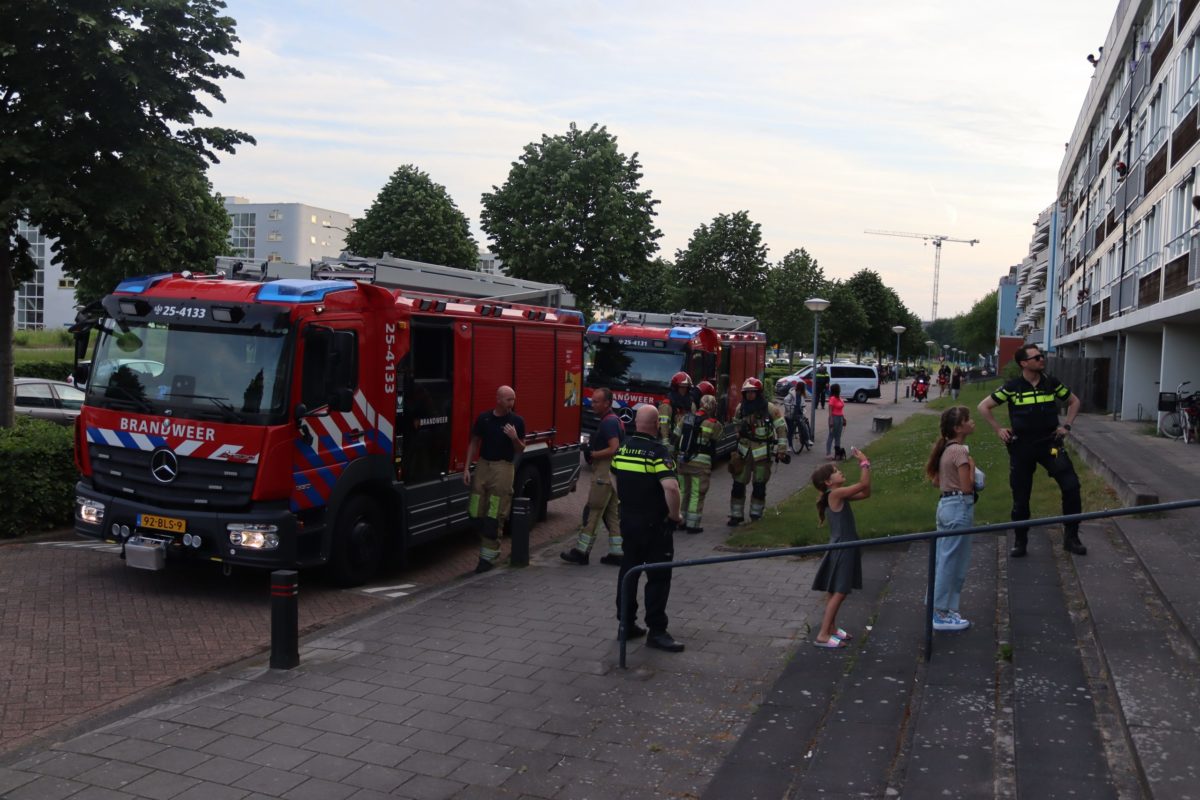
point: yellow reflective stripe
(1001, 396)
(649, 466)
(1032, 398)
(1062, 392)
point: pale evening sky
(820, 119)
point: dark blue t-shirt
(609, 428)
(495, 444)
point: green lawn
(65, 355)
(903, 501)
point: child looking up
(951, 467)
(840, 570)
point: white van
(859, 382)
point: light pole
(931, 344)
(816, 305)
(897, 329)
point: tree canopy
(96, 99)
(724, 268)
(844, 324)
(796, 278)
(650, 287)
(571, 212)
(414, 218)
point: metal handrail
(930, 536)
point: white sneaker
(949, 621)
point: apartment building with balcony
(1030, 280)
(293, 232)
(1125, 283)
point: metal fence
(627, 585)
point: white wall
(1180, 357)
(1143, 355)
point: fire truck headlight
(89, 511)
(253, 536)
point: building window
(31, 295)
(242, 234)
(312, 240)
(1186, 70)
(275, 215)
(274, 257)
(66, 283)
(313, 219)
(274, 236)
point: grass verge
(902, 499)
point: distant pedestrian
(649, 494)
(840, 571)
(1034, 438)
(820, 384)
(837, 421)
(602, 496)
(943, 379)
(952, 468)
(496, 437)
(956, 380)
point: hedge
(50, 370)
(37, 477)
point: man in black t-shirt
(1035, 437)
(602, 497)
(497, 437)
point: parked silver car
(53, 401)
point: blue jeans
(834, 439)
(953, 552)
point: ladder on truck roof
(699, 319)
(400, 273)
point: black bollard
(285, 619)
(519, 523)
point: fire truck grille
(199, 482)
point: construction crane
(936, 239)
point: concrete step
(1145, 632)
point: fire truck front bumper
(267, 536)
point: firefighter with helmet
(679, 403)
(762, 437)
(698, 436)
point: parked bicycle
(1182, 419)
(799, 432)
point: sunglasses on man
(1038, 357)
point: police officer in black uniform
(648, 491)
(1036, 438)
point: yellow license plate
(162, 523)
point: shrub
(37, 477)
(50, 370)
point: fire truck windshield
(619, 366)
(155, 368)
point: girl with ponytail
(952, 468)
(840, 570)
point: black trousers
(1024, 456)
(647, 545)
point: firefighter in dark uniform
(648, 491)
(1037, 438)
(680, 402)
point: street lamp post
(930, 344)
(816, 305)
(897, 329)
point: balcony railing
(1165, 16)
(1146, 265)
(1179, 245)
(1187, 101)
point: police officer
(679, 403)
(1035, 437)
(602, 497)
(762, 437)
(820, 384)
(698, 437)
(649, 495)
(497, 437)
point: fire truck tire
(530, 483)
(358, 542)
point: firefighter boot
(1020, 544)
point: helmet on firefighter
(706, 388)
(752, 385)
(681, 379)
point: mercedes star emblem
(164, 466)
(626, 415)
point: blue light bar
(683, 333)
(295, 290)
(599, 327)
(570, 315)
(141, 283)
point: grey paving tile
(90, 742)
(269, 781)
(246, 725)
(298, 715)
(219, 769)
(341, 723)
(481, 751)
(428, 787)
(383, 754)
(101, 793)
(289, 734)
(433, 721)
(377, 777)
(279, 756)
(175, 759)
(475, 774)
(335, 744)
(211, 791)
(190, 737)
(238, 747)
(160, 785)
(433, 764)
(318, 789)
(326, 767)
(433, 741)
(130, 750)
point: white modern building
(48, 299)
(293, 232)
(489, 263)
(1030, 282)
(1125, 276)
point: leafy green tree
(96, 97)
(414, 218)
(724, 268)
(976, 330)
(796, 278)
(571, 212)
(882, 307)
(844, 324)
(650, 287)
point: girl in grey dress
(840, 570)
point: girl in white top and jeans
(952, 468)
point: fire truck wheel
(357, 542)
(529, 484)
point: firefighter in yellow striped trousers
(602, 503)
(762, 437)
(497, 437)
(697, 449)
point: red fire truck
(636, 353)
(299, 422)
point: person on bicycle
(793, 411)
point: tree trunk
(7, 320)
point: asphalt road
(84, 635)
